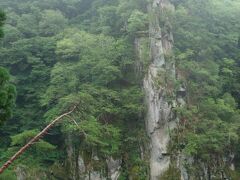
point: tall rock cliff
(157, 87)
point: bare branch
(34, 140)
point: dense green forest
(7, 90)
(65, 53)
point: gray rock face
(138, 51)
(113, 168)
(21, 175)
(77, 169)
(94, 176)
(81, 165)
(71, 162)
(159, 114)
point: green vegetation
(2, 19)
(7, 90)
(66, 53)
(206, 37)
(73, 53)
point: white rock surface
(159, 112)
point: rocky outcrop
(20, 173)
(78, 169)
(159, 119)
(23, 173)
(114, 167)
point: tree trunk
(33, 140)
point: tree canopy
(65, 53)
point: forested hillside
(155, 83)
(7, 89)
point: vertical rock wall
(159, 110)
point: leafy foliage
(68, 53)
(7, 90)
(2, 19)
(137, 21)
(64, 54)
(209, 125)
